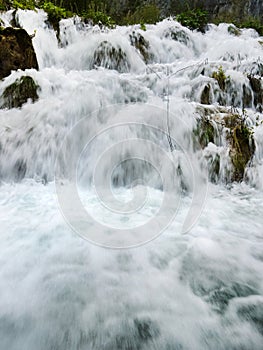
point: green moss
(16, 94)
(232, 29)
(24, 4)
(221, 77)
(204, 132)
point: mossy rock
(242, 145)
(213, 164)
(16, 51)
(142, 45)
(18, 93)
(177, 34)
(232, 29)
(204, 132)
(110, 57)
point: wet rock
(219, 298)
(232, 29)
(204, 132)
(16, 51)
(177, 34)
(16, 94)
(142, 45)
(247, 97)
(146, 329)
(252, 311)
(256, 85)
(205, 96)
(20, 170)
(110, 57)
(213, 164)
(242, 145)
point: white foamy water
(107, 129)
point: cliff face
(237, 8)
(224, 9)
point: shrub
(221, 78)
(24, 4)
(98, 17)
(149, 14)
(254, 23)
(193, 19)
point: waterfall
(133, 139)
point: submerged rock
(177, 34)
(110, 57)
(16, 94)
(16, 51)
(142, 45)
(252, 311)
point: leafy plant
(254, 23)
(55, 14)
(221, 77)
(193, 19)
(98, 17)
(24, 4)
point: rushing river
(170, 260)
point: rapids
(170, 259)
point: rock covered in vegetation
(16, 51)
(177, 34)
(110, 57)
(16, 94)
(142, 45)
(219, 126)
(242, 145)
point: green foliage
(143, 27)
(97, 17)
(221, 77)
(5, 5)
(55, 13)
(254, 23)
(24, 4)
(2, 6)
(248, 22)
(193, 19)
(149, 14)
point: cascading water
(119, 125)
